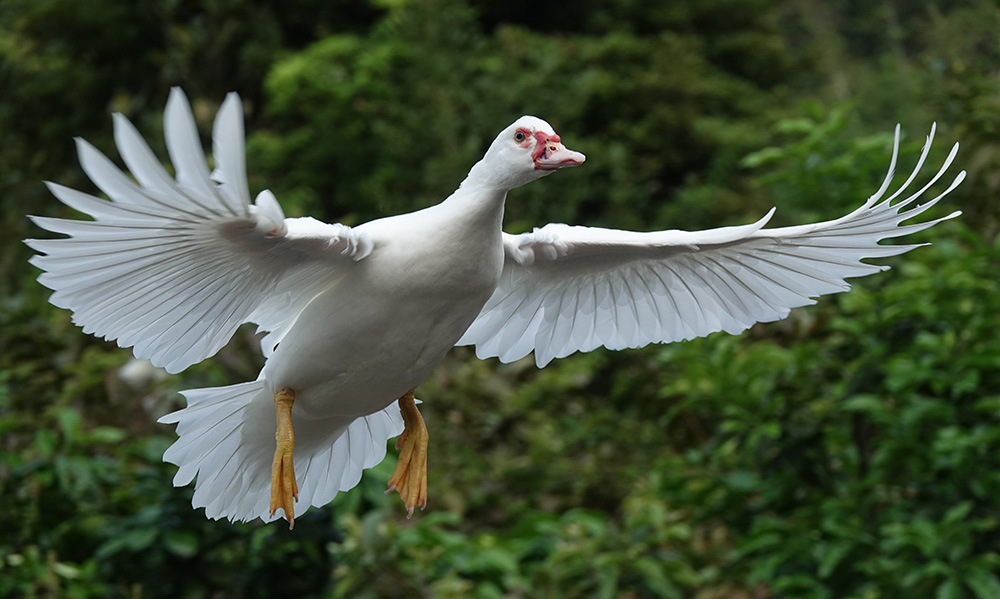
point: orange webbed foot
(284, 490)
(410, 476)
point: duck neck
(479, 199)
(482, 177)
(477, 209)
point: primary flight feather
(357, 317)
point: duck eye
(519, 136)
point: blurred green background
(850, 451)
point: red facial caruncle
(542, 146)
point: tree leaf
(984, 584)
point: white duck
(358, 317)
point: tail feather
(226, 439)
(206, 427)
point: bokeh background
(850, 451)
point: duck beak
(552, 156)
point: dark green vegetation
(851, 451)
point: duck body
(379, 330)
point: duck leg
(284, 491)
(410, 475)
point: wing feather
(173, 267)
(567, 288)
(184, 146)
(146, 168)
(229, 151)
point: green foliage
(849, 451)
(398, 95)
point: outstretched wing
(173, 267)
(566, 289)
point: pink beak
(553, 156)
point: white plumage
(171, 266)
